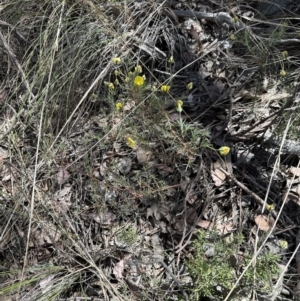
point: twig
(13, 28)
(222, 19)
(16, 62)
(32, 96)
(252, 194)
(228, 119)
(188, 193)
(253, 181)
(259, 200)
(169, 272)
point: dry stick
(15, 61)
(228, 119)
(275, 223)
(295, 253)
(168, 271)
(82, 251)
(287, 105)
(13, 28)
(276, 166)
(253, 181)
(189, 191)
(37, 153)
(251, 193)
(220, 19)
(32, 96)
(297, 288)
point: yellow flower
(126, 80)
(179, 105)
(284, 54)
(224, 150)
(116, 60)
(119, 106)
(165, 88)
(130, 142)
(232, 37)
(130, 73)
(270, 207)
(171, 60)
(153, 88)
(282, 73)
(190, 85)
(139, 81)
(283, 244)
(116, 72)
(110, 85)
(116, 81)
(138, 69)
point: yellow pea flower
(117, 73)
(171, 60)
(116, 60)
(139, 81)
(110, 85)
(190, 86)
(165, 88)
(283, 244)
(224, 150)
(119, 106)
(179, 105)
(284, 54)
(130, 142)
(282, 73)
(232, 37)
(270, 207)
(138, 69)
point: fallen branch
(32, 96)
(222, 19)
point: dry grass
(77, 169)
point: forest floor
(149, 150)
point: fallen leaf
(222, 229)
(47, 283)
(129, 105)
(174, 117)
(263, 222)
(204, 224)
(62, 176)
(118, 270)
(217, 175)
(143, 155)
(295, 171)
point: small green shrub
(215, 264)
